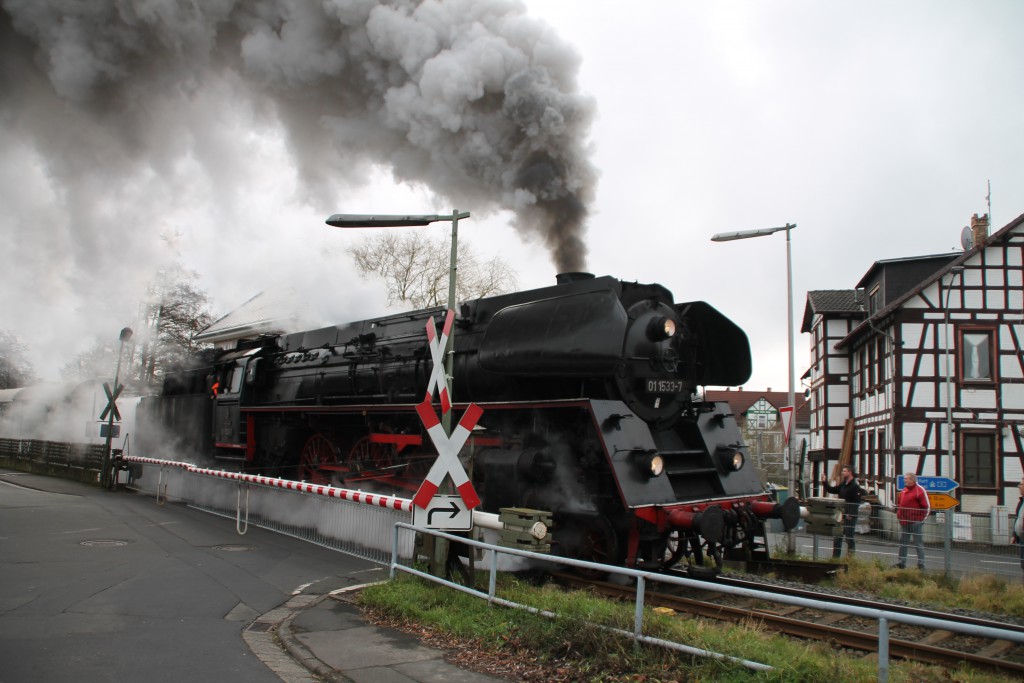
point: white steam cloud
(121, 121)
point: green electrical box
(825, 516)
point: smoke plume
(114, 111)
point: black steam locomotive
(590, 411)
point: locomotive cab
(230, 379)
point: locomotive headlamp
(730, 459)
(661, 328)
(649, 464)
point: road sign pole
(441, 546)
(106, 480)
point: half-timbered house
(919, 368)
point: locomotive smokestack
(566, 278)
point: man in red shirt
(912, 507)
(1018, 524)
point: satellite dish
(967, 238)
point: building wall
(899, 392)
(829, 386)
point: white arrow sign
(445, 512)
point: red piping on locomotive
(683, 516)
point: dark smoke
(471, 98)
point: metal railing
(979, 545)
(883, 617)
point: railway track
(906, 641)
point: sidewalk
(328, 635)
(134, 590)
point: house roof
(837, 302)
(935, 260)
(740, 401)
(881, 314)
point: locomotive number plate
(665, 386)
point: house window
(862, 440)
(872, 378)
(875, 300)
(856, 374)
(979, 460)
(869, 454)
(976, 356)
(880, 360)
(876, 467)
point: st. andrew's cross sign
(111, 401)
(448, 446)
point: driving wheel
(317, 452)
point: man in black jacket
(850, 491)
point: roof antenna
(988, 198)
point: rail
(883, 617)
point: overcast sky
(874, 126)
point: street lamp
(347, 220)
(339, 220)
(106, 478)
(747, 234)
(948, 469)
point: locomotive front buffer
(689, 488)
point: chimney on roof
(979, 229)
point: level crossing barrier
(355, 522)
(980, 542)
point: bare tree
(97, 361)
(174, 312)
(15, 368)
(415, 269)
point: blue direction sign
(932, 484)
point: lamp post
(747, 234)
(439, 558)
(106, 480)
(948, 469)
(345, 220)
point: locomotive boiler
(589, 390)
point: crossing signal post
(430, 498)
(443, 348)
(111, 413)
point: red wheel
(590, 538)
(665, 551)
(317, 452)
(370, 460)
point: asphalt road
(101, 586)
